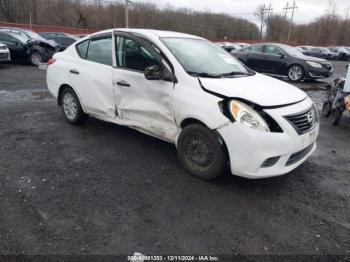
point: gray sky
(307, 10)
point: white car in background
(4, 53)
(188, 91)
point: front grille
(4, 56)
(3, 47)
(305, 121)
(296, 157)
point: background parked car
(81, 35)
(342, 52)
(242, 45)
(64, 40)
(229, 47)
(284, 60)
(30, 34)
(303, 49)
(320, 52)
(4, 53)
(26, 49)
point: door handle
(123, 83)
(74, 71)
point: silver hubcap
(36, 59)
(69, 106)
(295, 73)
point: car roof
(150, 32)
(14, 28)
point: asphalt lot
(106, 189)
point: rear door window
(7, 38)
(254, 49)
(100, 50)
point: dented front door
(142, 103)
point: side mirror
(153, 73)
(281, 55)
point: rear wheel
(295, 73)
(326, 108)
(71, 107)
(336, 116)
(201, 152)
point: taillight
(51, 61)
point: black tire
(36, 58)
(201, 152)
(343, 57)
(77, 115)
(299, 77)
(327, 108)
(336, 116)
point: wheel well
(190, 121)
(295, 64)
(60, 91)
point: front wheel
(201, 152)
(295, 73)
(327, 108)
(336, 116)
(36, 58)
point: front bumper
(248, 149)
(317, 73)
(5, 56)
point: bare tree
(260, 15)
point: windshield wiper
(202, 74)
(236, 73)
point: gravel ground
(106, 189)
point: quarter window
(132, 55)
(82, 49)
(100, 51)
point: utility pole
(127, 13)
(269, 11)
(285, 19)
(30, 20)
(291, 20)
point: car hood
(259, 89)
(51, 43)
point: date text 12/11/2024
(142, 258)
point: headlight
(244, 114)
(313, 64)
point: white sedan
(4, 53)
(187, 91)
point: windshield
(202, 58)
(32, 34)
(292, 51)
